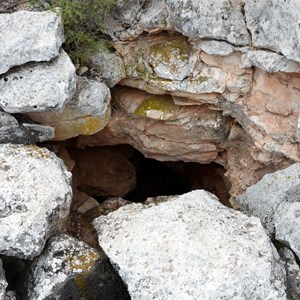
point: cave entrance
(122, 171)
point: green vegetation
(83, 24)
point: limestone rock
(287, 221)
(29, 36)
(129, 18)
(86, 113)
(214, 47)
(274, 25)
(110, 65)
(191, 247)
(69, 269)
(105, 171)
(292, 273)
(219, 20)
(38, 87)
(13, 132)
(270, 62)
(3, 283)
(162, 130)
(35, 198)
(264, 198)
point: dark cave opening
(122, 171)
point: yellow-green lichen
(157, 107)
(36, 152)
(177, 49)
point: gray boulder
(11, 131)
(70, 269)
(191, 247)
(264, 198)
(110, 65)
(29, 36)
(38, 87)
(274, 25)
(35, 198)
(3, 283)
(86, 113)
(219, 20)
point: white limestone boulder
(86, 113)
(29, 36)
(274, 25)
(219, 20)
(191, 247)
(272, 195)
(35, 195)
(38, 86)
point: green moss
(164, 105)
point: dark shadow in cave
(155, 178)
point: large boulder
(38, 86)
(191, 247)
(219, 20)
(70, 269)
(35, 198)
(29, 36)
(86, 113)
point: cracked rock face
(191, 247)
(35, 197)
(29, 36)
(38, 87)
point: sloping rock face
(191, 247)
(35, 198)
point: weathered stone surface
(292, 273)
(86, 113)
(69, 269)
(3, 283)
(159, 129)
(270, 62)
(129, 18)
(191, 247)
(29, 36)
(35, 196)
(38, 87)
(220, 20)
(274, 25)
(287, 220)
(13, 132)
(106, 172)
(265, 198)
(214, 47)
(110, 65)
